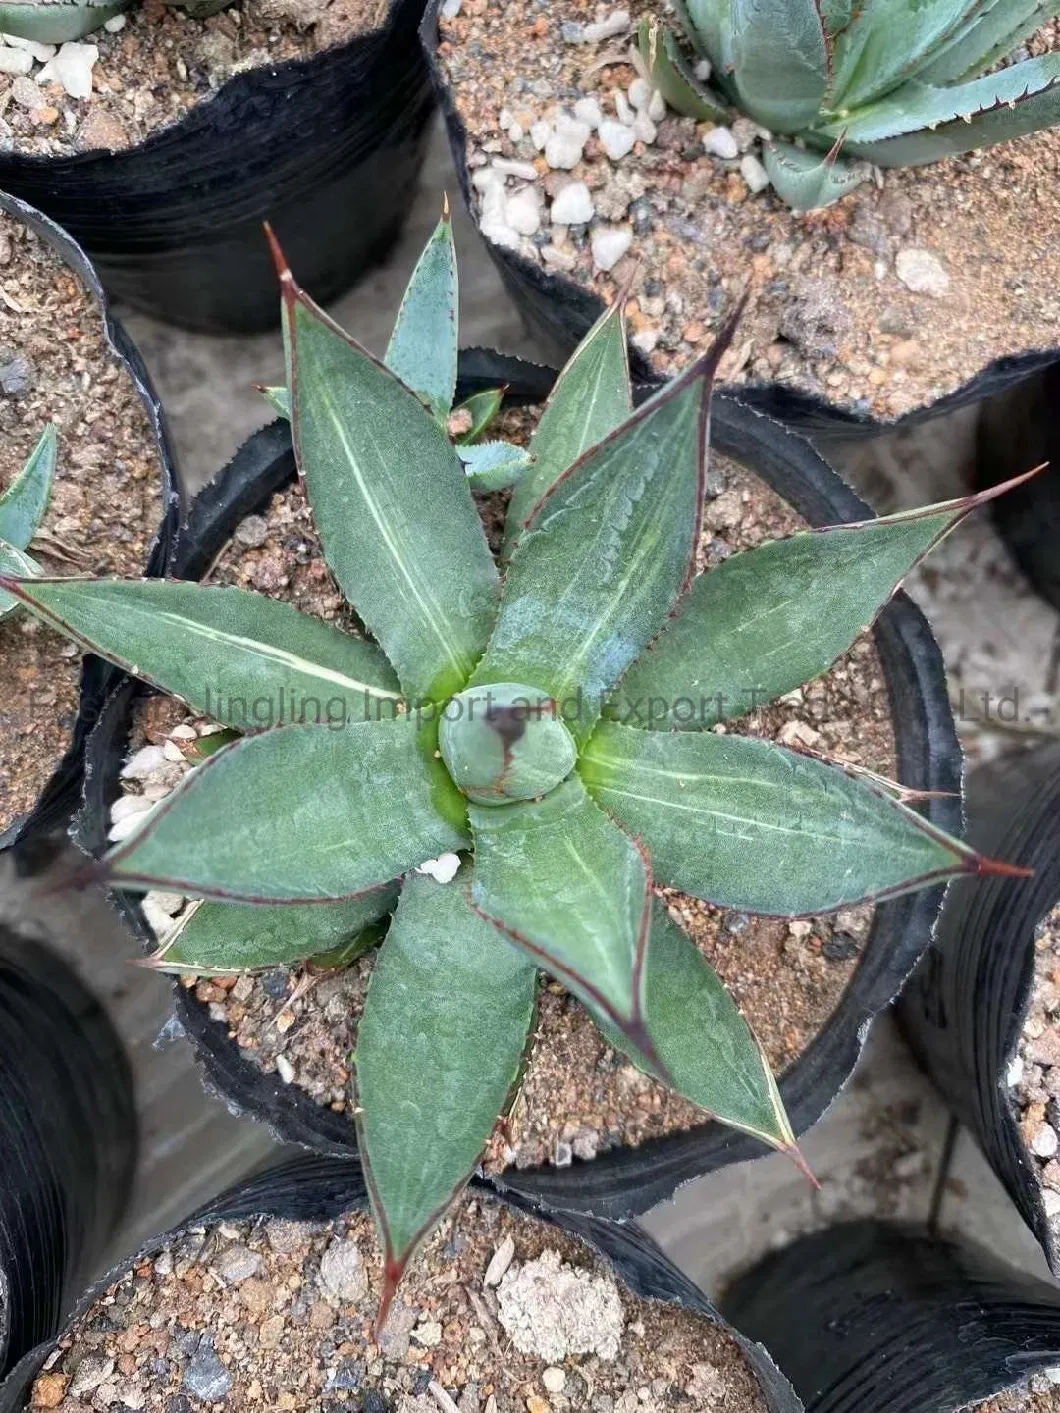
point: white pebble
(747, 133)
(124, 827)
(609, 244)
(702, 70)
(574, 205)
(140, 765)
(159, 922)
(656, 106)
(515, 132)
(443, 869)
(587, 110)
(171, 751)
(1052, 1373)
(623, 109)
(183, 732)
(564, 148)
(41, 52)
(557, 258)
(502, 235)
(616, 139)
(1051, 1201)
(921, 272)
(646, 341)
(540, 132)
(126, 806)
(1045, 1142)
(616, 23)
(72, 67)
(169, 903)
(284, 1068)
(499, 1263)
(116, 23)
(554, 1380)
(15, 61)
(522, 212)
(754, 174)
(486, 178)
(493, 204)
(639, 94)
(719, 142)
(509, 167)
(1014, 1073)
(644, 130)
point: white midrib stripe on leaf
(279, 656)
(459, 662)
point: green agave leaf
(446, 1022)
(23, 504)
(919, 124)
(391, 503)
(564, 882)
(482, 408)
(299, 814)
(13, 562)
(712, 24)
(782, 61)
(239, 657)
(592, 396)
(708, 1051)
(279, 399)
(886, 43)
(765, 621)
(423, 347)
(806, 180)
(493, 466)
(222, 938)
(991, 32)
(672, 75)
(746, 824)
(607, 553)
(58, 21)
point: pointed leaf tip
(283, 270)
(794, 1152)
(983, 867)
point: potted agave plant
(869, 168)
(162, 135)
(509, 763)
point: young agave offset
(22, 508)
(59, 21)
(531, 719)
(895, 82)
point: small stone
(754, 174)
(536, 1404)
(252, 531)
(285, 1069)
(522, 212)
(587, 111)
(616, 23)
(184, 732)
(564, 148)
(124, 828)
(639, 93)
(540, 133)
(656, 106)
(26, 94)
(563, 1155)
(554, 1379)
(586, 1144)
(616, 139)
(499, 1263)
(559, 259)
(394, 1336)
(159, 922)
(72, 67)
(49, 1390)
(143, 762)
(1044, 1141)
(501, 234)
(550, 1309)
(237, 1264)
(429, 1334)
(574, 205)
(41, 52)
(342, 1271)
(270, 1334)
(172, 752)
(644, 130)
(115, 24)
(508, 167)
(17, 375)
(703, 70)
(922, 272)
(286, 1237)
(1014, 1073)
(719, 142)
(746, 133)
(102, 131)
(93, 1370)
(15, 61)
(443, 869)
(571, 32)
(205, 1377)
(609, 244)
(1051, 1201)
(125, 806)
(1046, 1049)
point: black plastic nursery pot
(870, 1318)
(67, 1142)
(327, 149)
(317, 1189)
(620, 1183)
(61, 795)
(964, 1008)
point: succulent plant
(22, 508)
(58, 21)
(540, 728)
(897, 83)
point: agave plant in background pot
(162, 135)
(669, 148)
(502, 768)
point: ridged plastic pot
(328, 149)
(965, 1006)
(869, 1318)
(620, 1183)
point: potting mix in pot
(530, 751)
(841, 158)
(503, 1313)
(89, 74)
(80, 490)
(1033, 1076)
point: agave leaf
(58, 21)
(919, 124)
(886, 43)
(300, 814)
(279, 399)
(991, 32)
(392, 505)
(14, 562)
(493, 466)
(23, 504)
(782, 61)
(765, 621)
(806, 180)
(712, 25)
(591, 397)
(439, 1046)
(708, 1051)
(608, 551)
(423, 347)
(241, 658)
(222, 938)
(672, 75)
(564, 882)
(482, 408)
(746, 824)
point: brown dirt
(257, 1308)
(828, 311)
(106, 505)
(577, 1096)
(161, 63)
(1040, 1397)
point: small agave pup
(527, 719)
(898, 83)
(22, 508)
(60, 21)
